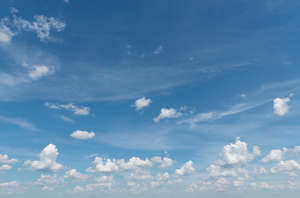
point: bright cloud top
(167, 113)
(82, 135)
(47, 161)
(281, 106)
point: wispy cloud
(20, 122)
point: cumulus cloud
(187, 168)
(164, 162)
(4, 159)
(286, 166)
(281, 106)
(238, 152)
(82, 135)
(275, 155)
(6, 33)
(47, 161)
(74, 174)
(167, 113)
(142, 103)
(114, 165)
(5, 167)
(49, 182)
(70, 107)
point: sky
(160, 98)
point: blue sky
(149, 98)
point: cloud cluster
(281, 106)
(5, 162)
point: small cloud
(158, 50)
(20, 122)
(71, 107)
(167, 113)
(281, 106)
(142, 103)
(187, 168)
(82, 135)
(38, 71)
(67, 119)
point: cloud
(164, 162)
(5, 32)
(274, 155)
(38, 71)
(20, 122)
(47, 161)
(67, 119)
(158, 50)
(238, 153)
(167, 113)
(70, 107)
(142, 103)
(4, 159)
(82, 135)
(74, 174)
(9, 184)
(286, 166)
(115, 165)
(49, 182)
(187, 168)
(280, 106)
(5, 167)
(210, 116)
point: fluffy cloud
(70, 107)
(4, 159)
(47, 161)
(167, 113)
(275, 155)
(114, 165)
(74, 174)
(38, 71)
(142, 103)
(280, 106)
(49, 182)
(286, 166)
(82, 135)
(164, 162)
(187, 168)
(238, 152)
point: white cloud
(142, 103)
(167, 113)
(187, 168)
(70, 107)
(210, 116)
(38, 71)
(47, 161)
(9, 184)
(74, 174)
(49, 182)
(5, 32)
(238, 152)
(286, 166)
(5, 167)
(280, 106)
(164, 162)
(4, 159)
(114, 165)
(67, 119)
(274, 155)
(82, 135)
